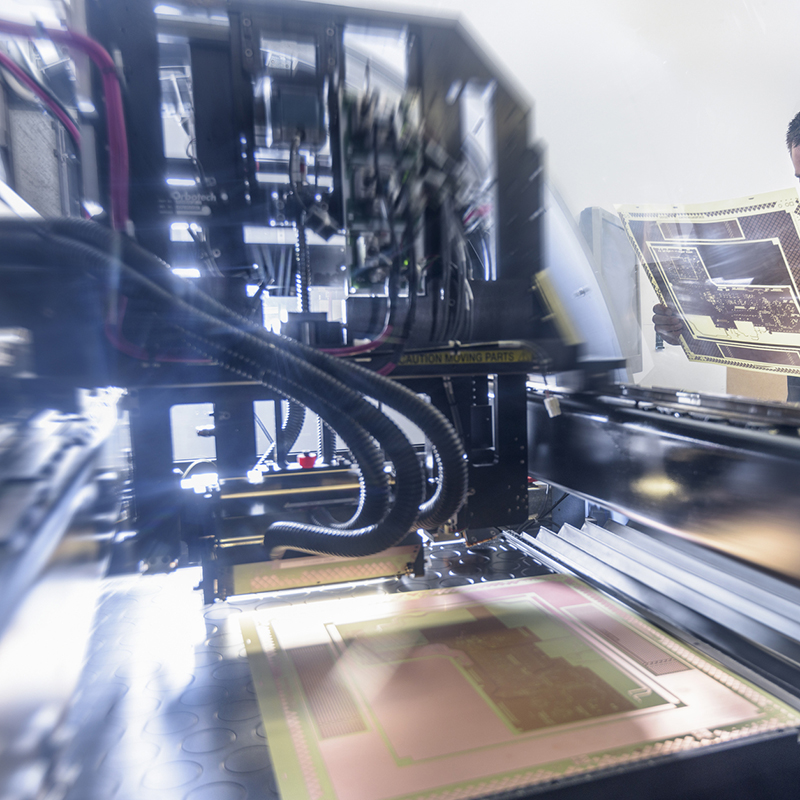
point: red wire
(115, 117)
(118, 163)
(113, 332)
(360, 348)
(23, 77)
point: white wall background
(648, 100)
(644, 101)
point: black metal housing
(723, 472)
(230, 123)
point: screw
(248, 53)
(216, 252)
(225, 415)
(246, 22)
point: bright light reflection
(255, 476)
(93, 209)
(182, 231)
(317, 593)
(658, 487)
(186, 272)
(201, 482)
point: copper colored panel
(469, 691)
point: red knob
(307, 460)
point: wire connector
(552, 406)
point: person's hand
(668, 323)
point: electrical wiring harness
(334, 389)
(115, 117)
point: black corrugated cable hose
(303, 278)
(290, 428)
(327, 540)
(28, 245)
(360, 542)
(291, 377)
(451, 490)
(293, 424)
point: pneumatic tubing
(451, 489)
(282, 536)
(27, 246)
(223, 337)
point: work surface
(167, 707)
(472, 691)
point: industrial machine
(305, 246)
(280, 169)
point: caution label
(466, 358)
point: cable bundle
(115, 118)
(334, 389)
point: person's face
(795, 153)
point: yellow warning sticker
(466, 358)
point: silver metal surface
(166, 707)
(728, 609)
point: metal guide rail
(732, 485)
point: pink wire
(113, 332)
(360, 348)
(115, 117)
(23, 77)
